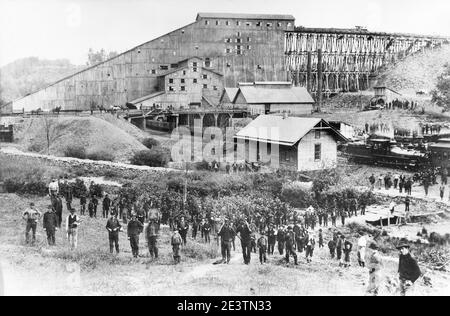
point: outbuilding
(293, 143)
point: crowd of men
(427, 178)
(299, 238)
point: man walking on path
(50, 224)
(152, 237)
(246, 240)
(290, 241)
(31, 215)
(262, 245)
(113, 226)
(72, 222)
(408, 269)
(281, 237)
(134, 229)
(226, 234)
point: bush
(101, 155)
(75, 151)
(20, 187)
(150, 143)
(157, 157)
(35, 147)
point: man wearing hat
(176, 241)
(50, 224)
(374, 265)
(408, 269)
(262, 245)
(113, 227)
(290, 240)
(226, 234)
(32, 216)
(134, 229)
(246, 240)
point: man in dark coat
(271, 238)
(226, 234)
(58, 207)
(290, 241)
(106, 206)
(152, 238)
(281, 236)
(95, 203)
(246, 240)
(134, 229)
(113, 226)
(69, 197)
(183, 228)
(50, 224)
(408, 269)
(83, 202)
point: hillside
(94, 134)
(27, 75)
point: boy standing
(262, 245)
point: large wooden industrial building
(236, 47)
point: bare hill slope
(94, 134)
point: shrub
(75, 151)
(157, 157)
(150, 143)
(34, 187)
(100, 155)
(35, 147)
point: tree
(99, 56)
(441, 95)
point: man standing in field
(50, 223)
(226, 235)
(106, 206)
(281, 237)
(290, 241)
(408, 269)
(362, 244)
(152, 237)
(72, 222)
(374, 265)
(246, 240)
(113, 227)
(271, 238)
(183, 228)
(134, 229)
(262, 245)
(176, 241)
(58, 207)
(310, 244)
(53, 188)
(31, 216)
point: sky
(55, 29)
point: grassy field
(91, 270)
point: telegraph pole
(319, 80)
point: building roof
(262, 95)
(289, 129)
(209, 15)
(230, 92)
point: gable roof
(209, 15)
(290, 129)
(258, 95)
(230, 93)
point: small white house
(293, 143)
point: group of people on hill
(426, 177)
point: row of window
(237, 40)
(204, 76)
(239, 23)
(239, 49)
(183, 88)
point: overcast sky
(54, 29)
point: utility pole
(308, 73)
